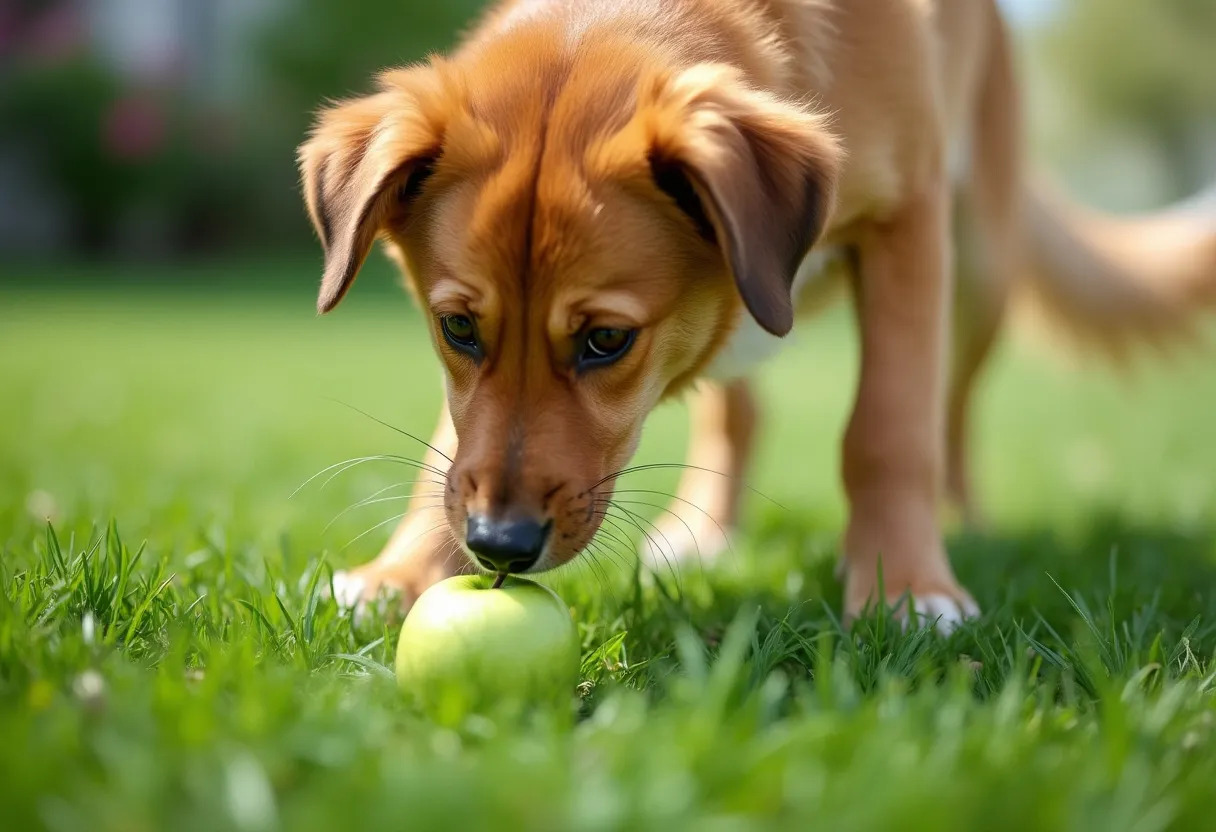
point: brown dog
(599, 202)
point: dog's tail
(1115, 282)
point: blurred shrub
(331, 48)
(163, 163)
(320, 50)
(57, 111)
(167, 163)
(1142, 67)
(134, 166)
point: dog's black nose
(505, 545)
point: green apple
(467, 646)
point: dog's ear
(756, 174)
(364, 165)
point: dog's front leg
(699, 521)
(422, 550)
(893, 455)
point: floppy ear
(755, 173)
(364, 164)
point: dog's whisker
(619, 540)
(621, 566)
(354, 462)
(730, 546)
(376, 498)
(621, 535)
(632, 518)
(654, 466)
(449, 550)
(357, 460)
(453, 549)
(379, 525)
(419, 501)
(600, 551)
(394, 519)
(430, 531)
(696, 544)
(672, 561)
(419, 464)
(444, 553)
(636, 547)
(615, 538)
(396, 459)
(636, 518)
(401, 484)
(603, 550)
(677, 499)
(592, 565)
(404, 433)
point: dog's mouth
(518, 568)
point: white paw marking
(677, 545)
(352, 595)
(944, 613)
(348, 590)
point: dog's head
(582, 237)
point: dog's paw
(371, 592)
(936, 602)
(408, 566)
(685, 536)
(945, 613)
(353, 589)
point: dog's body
(599, 202)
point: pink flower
(9, 28)
(134, 128)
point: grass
(167, 659)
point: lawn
(167, 660)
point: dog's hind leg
(699, 522)
(981, 294)
(985, 257)
(422, 550)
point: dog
(601, 204)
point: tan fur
(664, 166)
(1117, 282)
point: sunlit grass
(168, 658)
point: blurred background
(162, 128)
(158, 128)
(148, 146)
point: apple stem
(499, 579)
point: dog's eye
(413, 186)
(605, 346)
(461, 333)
